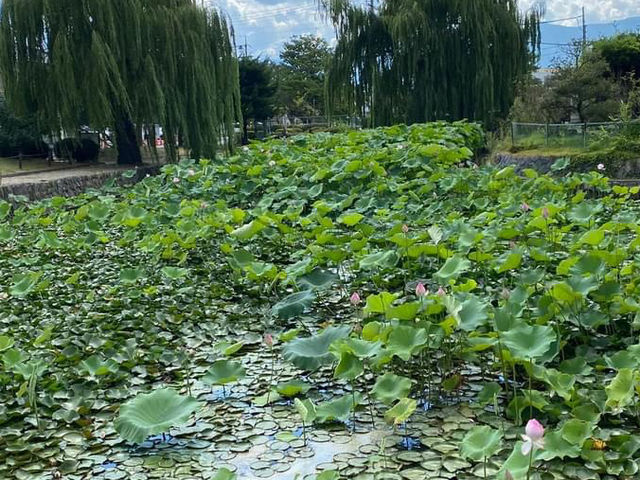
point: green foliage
(108, 64)
(407, 86)
(257, 90)
(153, 413)
(301, 77)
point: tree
(302, 75)
(118, 64)
(587, 91)
(19, 135)
(622, 53)
(419, 60)
(257, 91)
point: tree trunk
(127, 142)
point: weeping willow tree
(421, 60)
(121, 64)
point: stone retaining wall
(74, 185)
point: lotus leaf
(313, 352)
(153, 413)
(223, 372)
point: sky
(268, 24)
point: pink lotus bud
(191, 172)
(441, 292)
(525, 207)
(405, 228)
(505, 294)
(533, 437)
(545, 212)
(601, 166)
(204, 205)
(534, 429)
(176, 180)
(421, 291)
(268, 340)
(355, 299)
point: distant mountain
(558, 34)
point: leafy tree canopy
(418, 60)
(622, 52)
(301, 75)
(116, 63)
(257, 90)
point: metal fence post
(513, 134)
(584, 135)
(20, 160)
(546, 134)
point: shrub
(82, 150)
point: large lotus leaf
(557, 447)
(318, 279)
(349, 367)
(292, 388)
(224, 474)
(560, 383)
(576, 431)
(620, 391)
(131, 275)
(453, 268)
(33, 368)
(529, 341)
(390, 388)
(5, 343)
(401, 411)
(472, 314)
(223, 372)
(379, 303)
(517, 464)
(379, 260)
(153, 413)
(96, 366)
(313, 352)
(481, 443)
(306, 409)
(24, 283)
(174, 273)
(338, 409)
(293, 305)
(405, 340)
(359, 348)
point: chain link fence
(567, 135)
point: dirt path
(51, 176)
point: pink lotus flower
(601, 166)
(441, 292)
(355, 299)
(525, 207)
(268, 340)
(533, 437)
(545, 212)
(191, 172)
(421, 291)
(405, 228)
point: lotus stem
(485, 468)
(530, 389)
(530, 463)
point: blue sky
(267, 24)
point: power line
(560, 20)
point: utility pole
(584, 32)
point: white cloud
(267, 24)
(596, 11)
